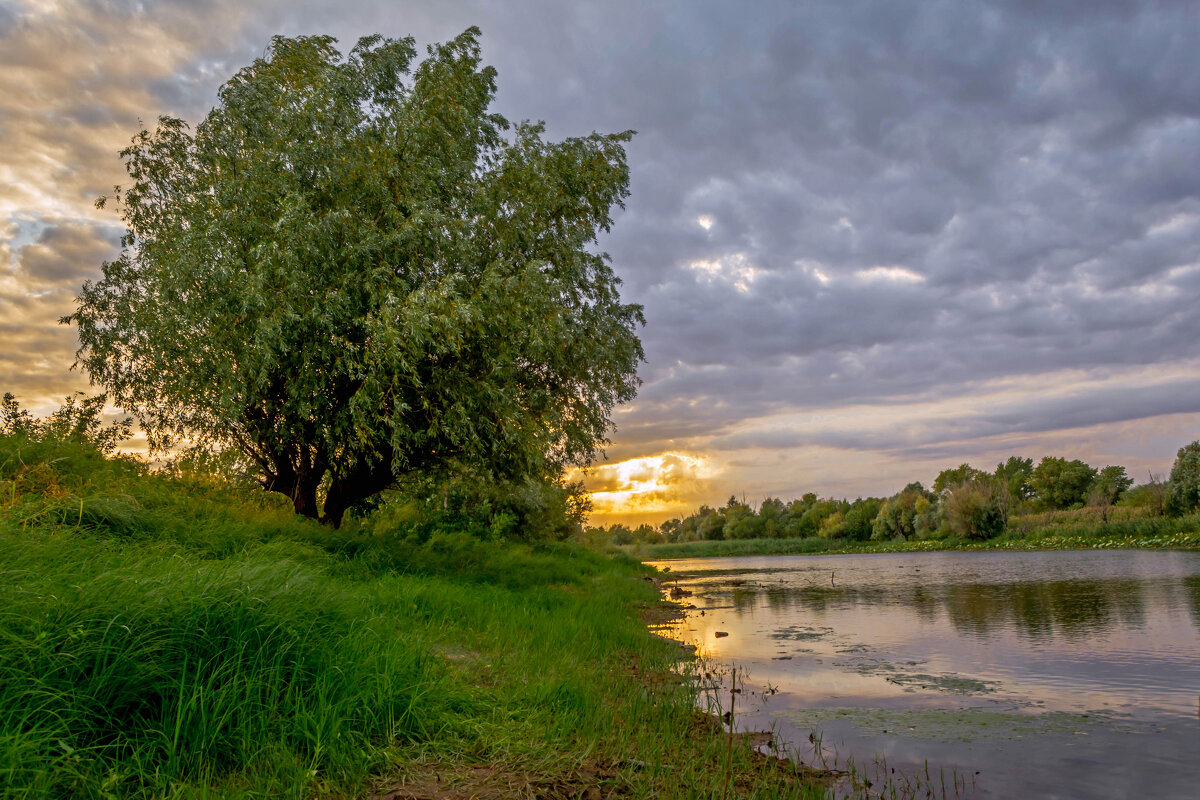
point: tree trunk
(297, 484)
(304, 498)
(360, 483)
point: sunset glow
(649, 488)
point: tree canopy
(1059, 483)
(1185, 480)
(353, 270)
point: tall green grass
(176, 637)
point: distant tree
(798, 521)
(620, 534)
(647, 534)
(901, 516)
(746, 526)
(963, 473)
(711, 524)
(1013, 476)
(975, 509)
(859, 519)
(1153, 494)
(832, 526)
(1058, 483)
(773, 514)
(1111, 482)
(802, 504)
(351, 272)
(930, 516)
(688, 526)
(734, 511)
(1184, 495)
(818, 520)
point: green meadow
(174, 636)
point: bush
(975, 510)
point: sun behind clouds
(649, 488)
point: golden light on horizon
(646, 488)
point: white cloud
(898, 274)
(735, 270)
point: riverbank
(171, 637)
(1051, 532)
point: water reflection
(1070, 608)
(1192, 585)
(1086, 661)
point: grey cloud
(77, 78)
(1037, 164)
(66, 254)
(37, 352)
(1097, 406)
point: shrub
(974, 510)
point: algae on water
(801, 633)
(913, 680)
(947, 725)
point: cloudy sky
(873, 239)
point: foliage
(1111, 482)
(773, 514)
(711, 524)
(530, 509)
(1014, 476)
(1153, 495)
(741, 522)
(859, 518)
(78, 419)
(949, 478)
(1049, 530)
(1185, 480)
(975, 510)
(831, 526)
(1059, 483)
(907, 515)
(351, 273)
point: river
(994, 674)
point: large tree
(352, 270)
(1059, 483)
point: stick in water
(729, 746)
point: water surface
(1027, 674)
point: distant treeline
(963, 502)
